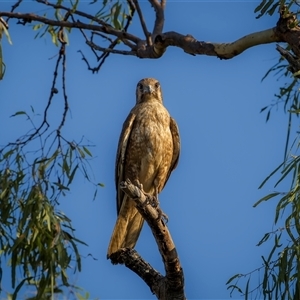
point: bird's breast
(152, 130)
(151, 139)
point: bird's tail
(127, 229)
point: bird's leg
(153, 201)
(149, 198)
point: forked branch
(159, 8)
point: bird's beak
(148, 89)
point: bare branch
(14, 7)
(44, 126)
(138, 265)
(66, 108)
(229, 50)
(143, 23)
(160, 17)
(123, 52)
(130, 45)
(104, 36)
(104, 28)
(225, 51)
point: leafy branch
(280, 267)
(37, 170)
(112, 23)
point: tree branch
(75, 12)
(171, 286)
(287, 30)
(109, 50)
(104, 28)
(294, 66)
(138, 265)
(159, 18)
(190, 45)
(143, 23)
(229, 50)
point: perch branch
(173, 282)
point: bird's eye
(157, 85)
(140, 86)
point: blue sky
(227, 147)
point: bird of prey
(148, 152)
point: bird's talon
(154, 202)
(162, 216)
(165, 218)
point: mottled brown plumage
(148, 151)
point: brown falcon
(148, 152)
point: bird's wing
(121, 154)
(176, 147)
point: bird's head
(148, 89)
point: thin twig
(38, 132)
(102, 58)
(14, 7)
(143, 23)
(75, 12)
(102, 35)
(66, 108)
(123, 52)
(95, 19)
(87, 62)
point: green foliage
(114, 13)
(281, 268)
(3, 29)
(110, 13)
(287, 97)
(36, 238)
(269, 7)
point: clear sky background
(227, 147)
